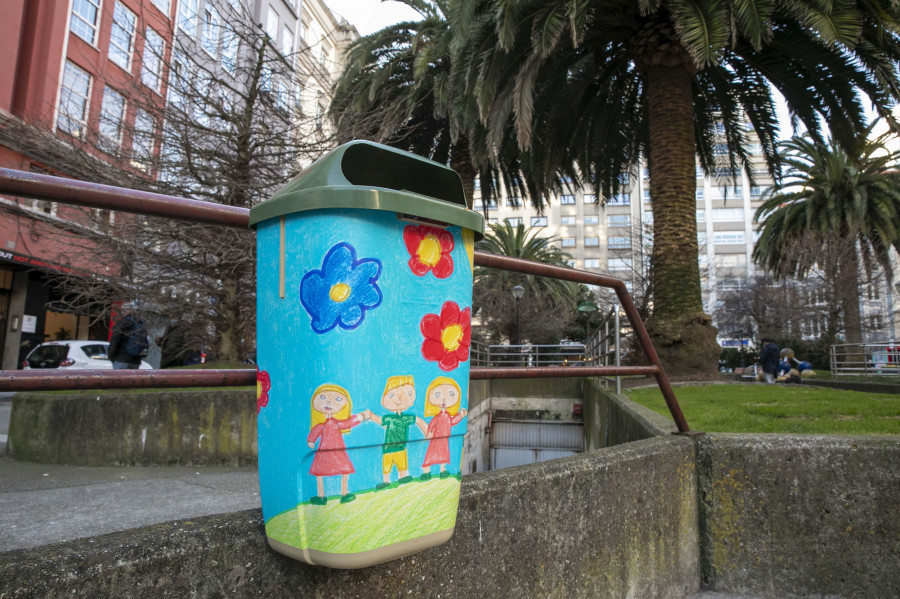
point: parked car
(74, 355)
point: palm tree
(605, 82)
(547, 305)
(395, 89)
(837, 202)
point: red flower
(448, 336)
(263, 385)
(429, 249)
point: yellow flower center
(451, 337)
(429, 251)
(258, 389)
(339, 292)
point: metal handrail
(882, 359)
(95, 195)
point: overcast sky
(371, 15)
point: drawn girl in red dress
(441, 401)
(331, 418)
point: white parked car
(73, 355)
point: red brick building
(69, 72)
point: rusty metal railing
(94, 195)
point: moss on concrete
(210, 427)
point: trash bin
(364, 294)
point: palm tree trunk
(848, 271)
(682, 333)
(461, 162)
(676, 274)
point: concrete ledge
(611, 419)
(614, 523)
(806, 515)
(210, 428)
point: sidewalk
(41, 504)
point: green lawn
(758, 408)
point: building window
(700, 193)
(151, 70)
(538, 221)
(492, 221)
(567, 221)
(589, 198)
(121, 38)
(514, 222)
(112, 113)
(619, 264)
(187, 16)
(646, 195)
(85, 14)
(287, 41)
(229, 50)
(592, 220)
(731, 260)
(620, 243)
(272, 23)
(491, 204)
(568, 242)
(728, 237)
(618, 220)
(163, 6)
(211, 31)
(721, 215)
(755, 191)
(591, 242)
(513, 202)
(592, 263)
(282, 95)
(73, 100)
(143, 140)
(648, 218)
(620, 199)
(567, 200)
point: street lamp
(518, 291)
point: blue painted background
(387, 343)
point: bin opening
(371, 166)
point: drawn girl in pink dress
(331, 418)
(441, 401)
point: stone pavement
(41, 504)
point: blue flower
(340, 293)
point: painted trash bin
(364, 292)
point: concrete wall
(617, 523)
(611, 420)
(214, 427)
(810, 516)
(770, 516)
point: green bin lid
(370, 176)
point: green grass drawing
(374, 519)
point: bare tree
(232, 129)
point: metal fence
(93, 195)
(528, 356)
(867, 359)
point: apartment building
(91, 74)
(614, 236)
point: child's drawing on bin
(340, 293)
(447, 336)
(442, 401)
(399, 395)
(430, 249)
(332, 416)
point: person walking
(129, 342)
(769, 359)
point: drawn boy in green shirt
(399, 394)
